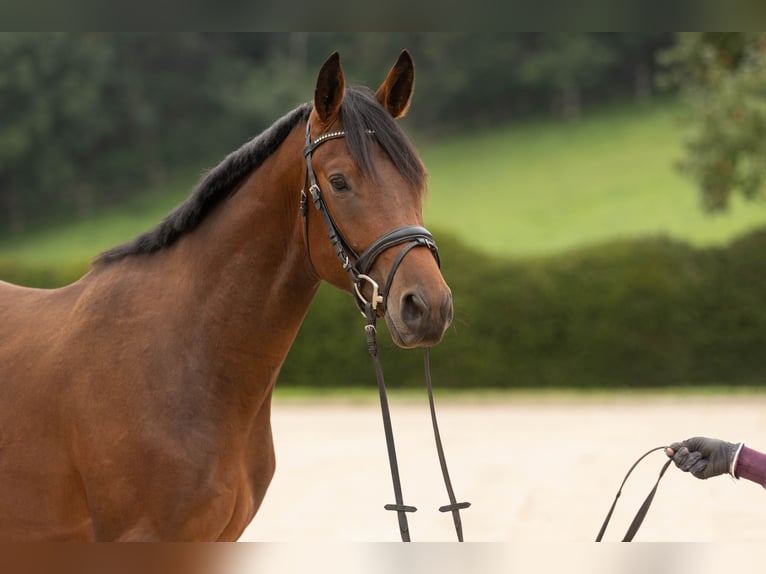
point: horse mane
(360, 114)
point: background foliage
(593, 295)
(87, 118)
(625, 314)
(723, 76)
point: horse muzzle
(419, 317)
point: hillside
(546, 187)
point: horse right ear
(331, 85)
(395, 92)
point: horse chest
(248, 485)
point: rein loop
(638, 519)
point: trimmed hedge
(631, 314)
(641, 313)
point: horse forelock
(362, 115)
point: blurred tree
(637, 61)
(469, 79)
(86, 119)
(567, 63)
(51, 117)
(724, 78)
(21, 122)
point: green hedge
(630, 314)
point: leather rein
(358, 267)
(638, 519)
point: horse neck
(243, 275)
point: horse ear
(395, 93)
(331, 86)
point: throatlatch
(358, 267)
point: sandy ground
(536, 470)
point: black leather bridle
(358, 267)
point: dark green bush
(629, 314)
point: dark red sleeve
(751, 465)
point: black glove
(703, 457)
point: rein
(638, 519)
(358, 267)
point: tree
(88, 119)
(52, 118)
(85, 117)
(566, 63)
(723, 76)
(23, 118)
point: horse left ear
(331, 85)
(396, 92)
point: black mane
(360, 113)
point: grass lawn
(80, 241)
(535, 187)
(544, 187)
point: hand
(703, 457)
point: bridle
(358, 267)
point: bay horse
(136, 402)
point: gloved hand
(703, 457)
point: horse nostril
(413, 309)
(447, 311)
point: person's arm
(707, 457)
(751, 465)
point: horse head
(368, 184)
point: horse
(136, 401)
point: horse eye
(339, 183)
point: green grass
(80, 241)
(536, 187)
(548, 186)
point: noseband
(358, 268)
